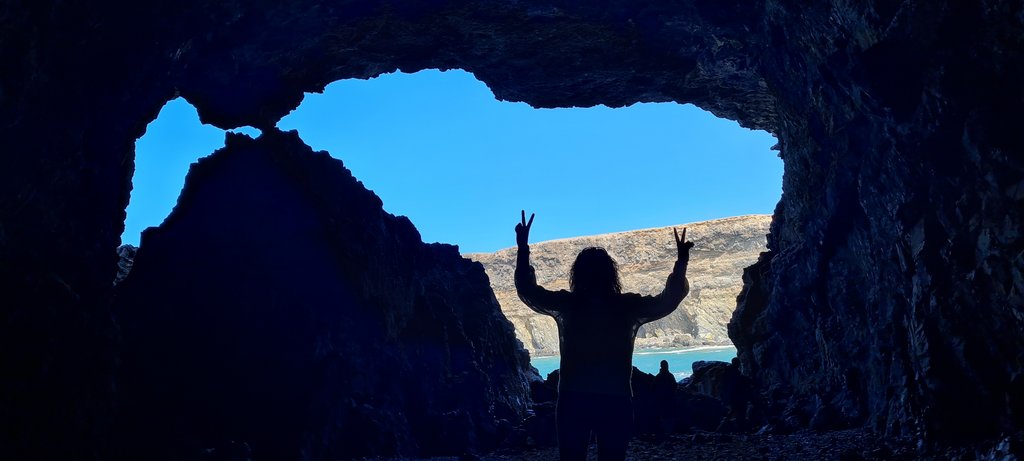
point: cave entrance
(438, 148)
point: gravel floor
(840, 445)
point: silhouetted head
(594, 272)
(664, 365)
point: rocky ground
(702, 429)
(844, 445)
(848, 445)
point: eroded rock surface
(279, 306)
(893, 292)
(724, 247)
(126, 255)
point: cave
(891, 295)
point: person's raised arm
(676, 287)
(534, 296)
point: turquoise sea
(680, 361)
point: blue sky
(438, 147)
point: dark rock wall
(893, 285)
(892, 289)
(280, 306)
(80, 81)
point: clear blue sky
(438, 148)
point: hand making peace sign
(523, 230)
(682, 246)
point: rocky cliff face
(279, 306)
(891, 294)
(724, 247)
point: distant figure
(597, 326)
(665, 377)
(664, 396)
(665, 382)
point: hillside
(723, 247)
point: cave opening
(172, 142)
(439, 148)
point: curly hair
(594, 272)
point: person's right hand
(523, 230)
(682, 246)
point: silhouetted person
(597, 326)
(665, 382)
(664, 397)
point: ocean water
(680, 361)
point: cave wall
(891, 295)
(80, 81)
(893, 281)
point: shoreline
(661, 351)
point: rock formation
(126, 255)
(279, 306)
(892, 289)
(724, 247)
(893, 292)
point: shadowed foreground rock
(279, 306)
